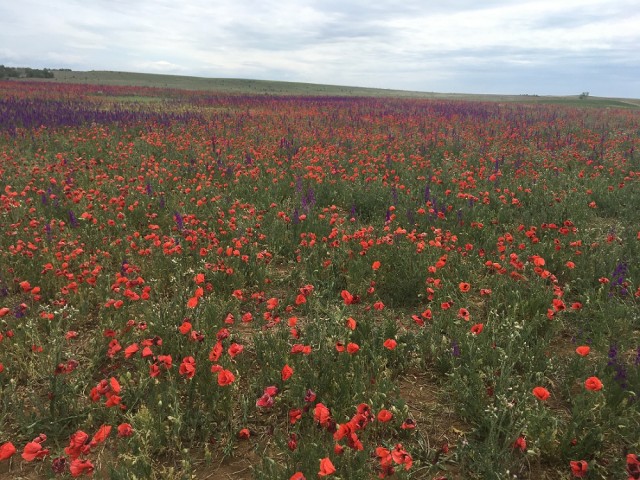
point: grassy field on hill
(265, 87)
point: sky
(541, 47)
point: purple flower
(179, 221)
(72, 219)
(455, 349)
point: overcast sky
(465, 46)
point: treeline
(13, 72)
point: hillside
(265, 87)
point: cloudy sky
(466, 46)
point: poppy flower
(351, 323)
(352, 347)
(375, 265)
(464, 287)
(78, 444)
(192, 302)
(235, 349)
(401, 457)
(390, 344)
(384, 456)
(520, 444)
(633, 466)
(321, 414)
(579, 468)
(188, 367)
(286, 373)
(295, 414)
(216, 352)
(125, 430)
(80, 467)
(537, 260)
(244, 433)
(583, 350)
(225, 377)
(541, 393)
(265, 401)
(7, 450)
(384, 415)
(326, 467)
(33, 450)
(593, 383)
(477, 328)
(348, 298)
(131, 350)
(297, 476)
(101, 435)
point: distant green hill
(265, 87)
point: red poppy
(80, 467)
(235, 349)
(520, 444)
(384, 456)
(401, 457)
(390, 344)
(321, 414)
(593, 383)
(537, 260)
(464, 286)
(244, 433)
(583, 350)
(33, 450)
(384, 415)
(265, 401)
(326, 467)
(188, 367)
(78, 444)
(633, 466)
(375, 265)
(7, 450)
(101, 435)
(225, 377)
(131, 350)
(295, 414)
(216, 352)
(477, 328)
(125, 430)
(193, 302)
(351, 323)
(352, 347)
(348, 298)
(286, 373)
(541, 393)
(579, 468)
(297, 476)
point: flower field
(195, 285)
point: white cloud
(536, 46)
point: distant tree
(583, 95)
(8, 72)
(12, 72)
